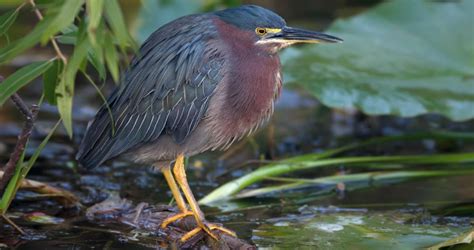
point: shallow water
(300, 125)
(417, 213)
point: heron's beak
(295, 35)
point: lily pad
(388, 230)
(402, 58)
(462, 240)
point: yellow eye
(260, 31)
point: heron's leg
(177, 197)
(180, 176)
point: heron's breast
(244, 101)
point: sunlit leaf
(403, 57)
(96, 52)
(51, 79)
(94, 10)
(117, 23)
(111, 57)
(65, 89)
(6, 20)
(95, 57)
(22, 77)
(63, 19)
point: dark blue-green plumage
(166, 90)
(200, 82)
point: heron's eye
(260, 31)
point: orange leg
(180, 176)
(177, 196)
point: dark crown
(251, 16)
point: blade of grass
(10, 190)
(354, 181)
(21, 171)
(286, 166)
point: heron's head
(269, 30)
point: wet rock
(147, 219)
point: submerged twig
(13, 224)
(30, 117)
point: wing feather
(166, 89)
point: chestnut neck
(253, 73)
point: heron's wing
(165, 90)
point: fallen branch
(149, 218)
(66, 198)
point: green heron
(198, 83)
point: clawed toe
(175, 217)
(208, 228)
(223, 229)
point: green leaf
(13, 49)
(464, 239)
(12, 186)
(69, 35)
(94, 10)
(22, 77)
(393, 63)
(64, 17)
(21, 170)
(96, 52)
(117, 23)
(111, 57)
(69, 38)
(353, 230)
(50, 81)
(95, 57)
(65, 89)
(6, 20)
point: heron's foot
(175, 217)
(208, 228)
